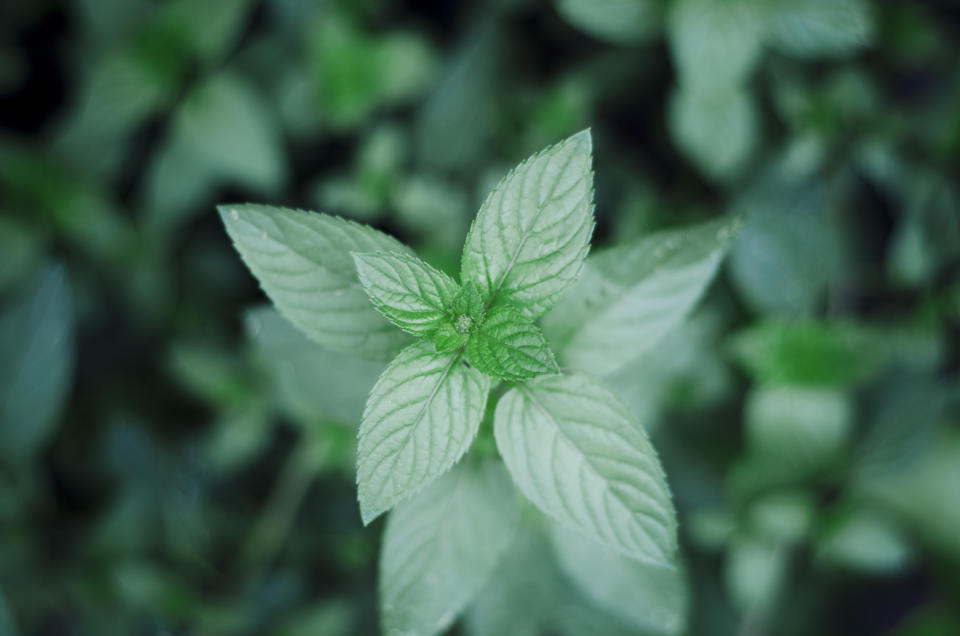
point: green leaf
(36, 364)
(800, 429)
(421, 417)
(311, 383)
(440, 548)
(409, 292)
(616, 21)
(224, 124)
(651, 597)
(469, 302)
(716, 43)
(303, 262)
(820, 28)
(447, 338)
(510, 347)
(529, 240)
(790, 250)
(631, 296)
(716, 128)
(809, 353)
(863, 540)
(576, 452)
(754, 573)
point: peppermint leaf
(303, 262)
(652, 597)
(410, 293)
(632, 295)
(440, 548)
(510, 347)
(532, 233)
(615, 21)
(576, 452)
(420, 418)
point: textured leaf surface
(409, 292)
(510, 347)
(631, 296)
(303, 262)
(532, 233)
(575, 451)
(440, 548)
(652, 597)
(420, 418)
(820, 28)
(36, 362)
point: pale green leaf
(229, 130)
(576, 452)
(421, 417)
(631, 296)
(715, 43)
(303, 262)
(529, 240)
(616, 21)
(820, 28)
(863, 540)
(510, 347)
(651, 597)
(783, 517)
(312, 383)
(440, 548)
(790, 250)
(800, 429)
(715, 128)
(409, 292)
(36, 364)
(754, 573)
(522, 596)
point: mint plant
(469, 352)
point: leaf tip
(583, 137)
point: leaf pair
(502, 342)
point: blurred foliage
(168, 467)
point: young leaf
(575, 451)
(303, 262)
(420, 418)
(410, 293)
(652, 597)
(631, 296)
(469, 302)
(36, 364)
(440, 548)
(532, 233)
(447, 338)
(510, 347)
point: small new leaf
(409, 292)
(510, 347)
(303, 262)
(447, 338)
(443, 545)
(532, 233)
(576, 452)
(420, 418)
(468, 302)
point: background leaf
(632, 295)
(440, 548)
(36, 364)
